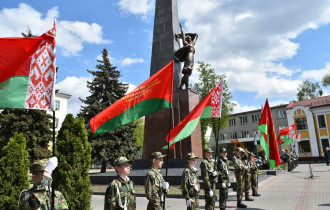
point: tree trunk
(104, 166)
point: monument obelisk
(164, 45)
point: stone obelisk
(164, 45)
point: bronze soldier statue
(186, 54)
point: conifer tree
(105, 89)
(73, 151)
(35, 126)
(13, 171)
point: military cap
(38, 165)
(120, 161)
(223, 150)
(191, 155)
(156, 155)
(251, 154)
(208, 150)
(239, 149)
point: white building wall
(61, 112)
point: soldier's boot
(255, 193)
(240, 204)
(222, 208)
(247, 197)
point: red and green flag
(209, 107)
(28, 71)
(149, 97)
(287, 135)
(268, 136)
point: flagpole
(168, 150)
(216, 143)
(256, 144)
(53, 186)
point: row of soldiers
(121, 194)
(290, 159)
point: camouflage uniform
(120, 194)
(223, 169)
(239, 175)
(254, 181)
(39, 196)
(190, 184)
(153, 186)
(207, 169)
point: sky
(266, 48)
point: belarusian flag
(287, 135)
(27, 71)
(149, 97)
(268, 136)
(209, 107)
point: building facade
(61, 109)
(312, 117)
(242, 129)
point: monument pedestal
(157, 128)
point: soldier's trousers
(223, 196)
(240, 185)
(154, 206)
(247, 182)
(210, 201)
(195, 204)
(253, 181)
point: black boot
(247, 197)
(255, 193)
(222, 208)
(240, 204)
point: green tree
(105, 89)
(326, 80)
(13, 171)
(309, 90)
(208, 80)
(139, 132)
(73, 150)
(35, 125)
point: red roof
(314, 102)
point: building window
(232, 122)
(245, 134)
(321, 120)
(281, 114)
(233, 135)
(243, 120)
(304, 146)
(57, 105)
(255, 118)
(301, 123)
(223, 136)
(56, 122)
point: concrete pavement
(292, 190)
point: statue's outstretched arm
(183, 35)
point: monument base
(157, 128)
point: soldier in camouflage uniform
(40, 195)
(154, 184)
(239, 175)
(247, 175)
(190, 183)
(120, 194)
(209, 176)
(223, 178)
(254, 174)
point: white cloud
(71, 35)
(77, 88)
(238, 108)
(137, 7)
(316, 74)
(131, 87)
(130, 61)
